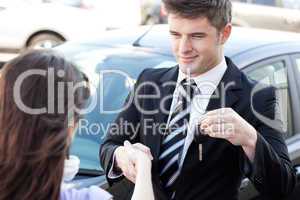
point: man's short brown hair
(218, 12)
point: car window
(275, 74)
(112, 76)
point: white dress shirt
(206, 83)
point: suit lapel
(167, 84)
(226, 93)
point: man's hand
(225, 123)
(127, 158)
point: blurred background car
(36, 24)
(270, 57)
(40, 25)
(293, 4)
(153, 13)
(149, 11)
(268, 14)
(117, 14)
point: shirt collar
(207, 82)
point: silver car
(25, 24)
(277, 15)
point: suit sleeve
(119, 131)
(271, 172)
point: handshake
(133, 159)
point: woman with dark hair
(37, 121)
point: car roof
(242, 39)
(156, 38)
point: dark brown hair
(33, 146)
(218, 12)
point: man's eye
(175, 35)
(198, 36)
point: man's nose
(185, 45)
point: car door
(275, 72)
(278, 72)
(295, 141)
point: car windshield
(112, 74)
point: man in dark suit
(205, 124)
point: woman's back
(35, 127)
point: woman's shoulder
(91, 193)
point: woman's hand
(143, 184)
(141, 159)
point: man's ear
(225, 33)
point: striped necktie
(173, 141)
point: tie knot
(187, 81)
(190, 88)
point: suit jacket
(223, 165)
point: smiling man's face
(196, 44)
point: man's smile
(187, 59)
